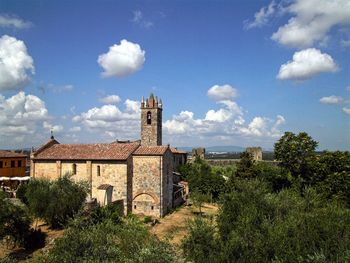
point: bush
(109, 241)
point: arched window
(149, 117)
(98, 170)
(74, 168)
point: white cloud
(346, 110)
(15, 64)
(22, 119)
(311, 22)
(220, 115)
(112, 120)
(54, 128)
(111, 99)
(332, 100)
(348, 88)
(225, 123)
(262, 16)
(122, 60)
(306, 64)
(221, 93)
(14, 22)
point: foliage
(245, 166)
(296, 153)
(21, 193)
(203, 179)
(276, 177)
(55, 202)
(14, 221)
(108, 240)
(255, 225)
(200, 245)
(198, 200)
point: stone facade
(256, 153)
(198, 153)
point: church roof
(176, 151)
(97, 151)
(9, 154)
(151, 150)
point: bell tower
(151, 121)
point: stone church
(137, 174)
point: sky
(228, 72)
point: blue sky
(228, 72)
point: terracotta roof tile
(151, 150)
(175, 150)
(98, 151)
(9, 154)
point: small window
(149, 118)
(1, 165)
(12, 163)
(134, 206)
(152, 207)
(19, 163)
(98, 170)
(74, 168)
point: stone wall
(151, 134)
(168, 168)
(146, 186)
(45, 170)
(114, 173)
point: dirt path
(174, 226)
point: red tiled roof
(175, 150)
(151, 150)
(98, 151)
(9, 154)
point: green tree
(297, 154)
(200, 245)
(14, 221)
(245, 166)
(56, 201)
(198, 200)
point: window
(134, 206)
(74, 168)
(149, 118)
(19, 163)
(1, 165)
(12, 163)
(152, 207)
(98, 170)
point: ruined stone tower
(151, 121)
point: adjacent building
(138, 174)
(12, 169)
